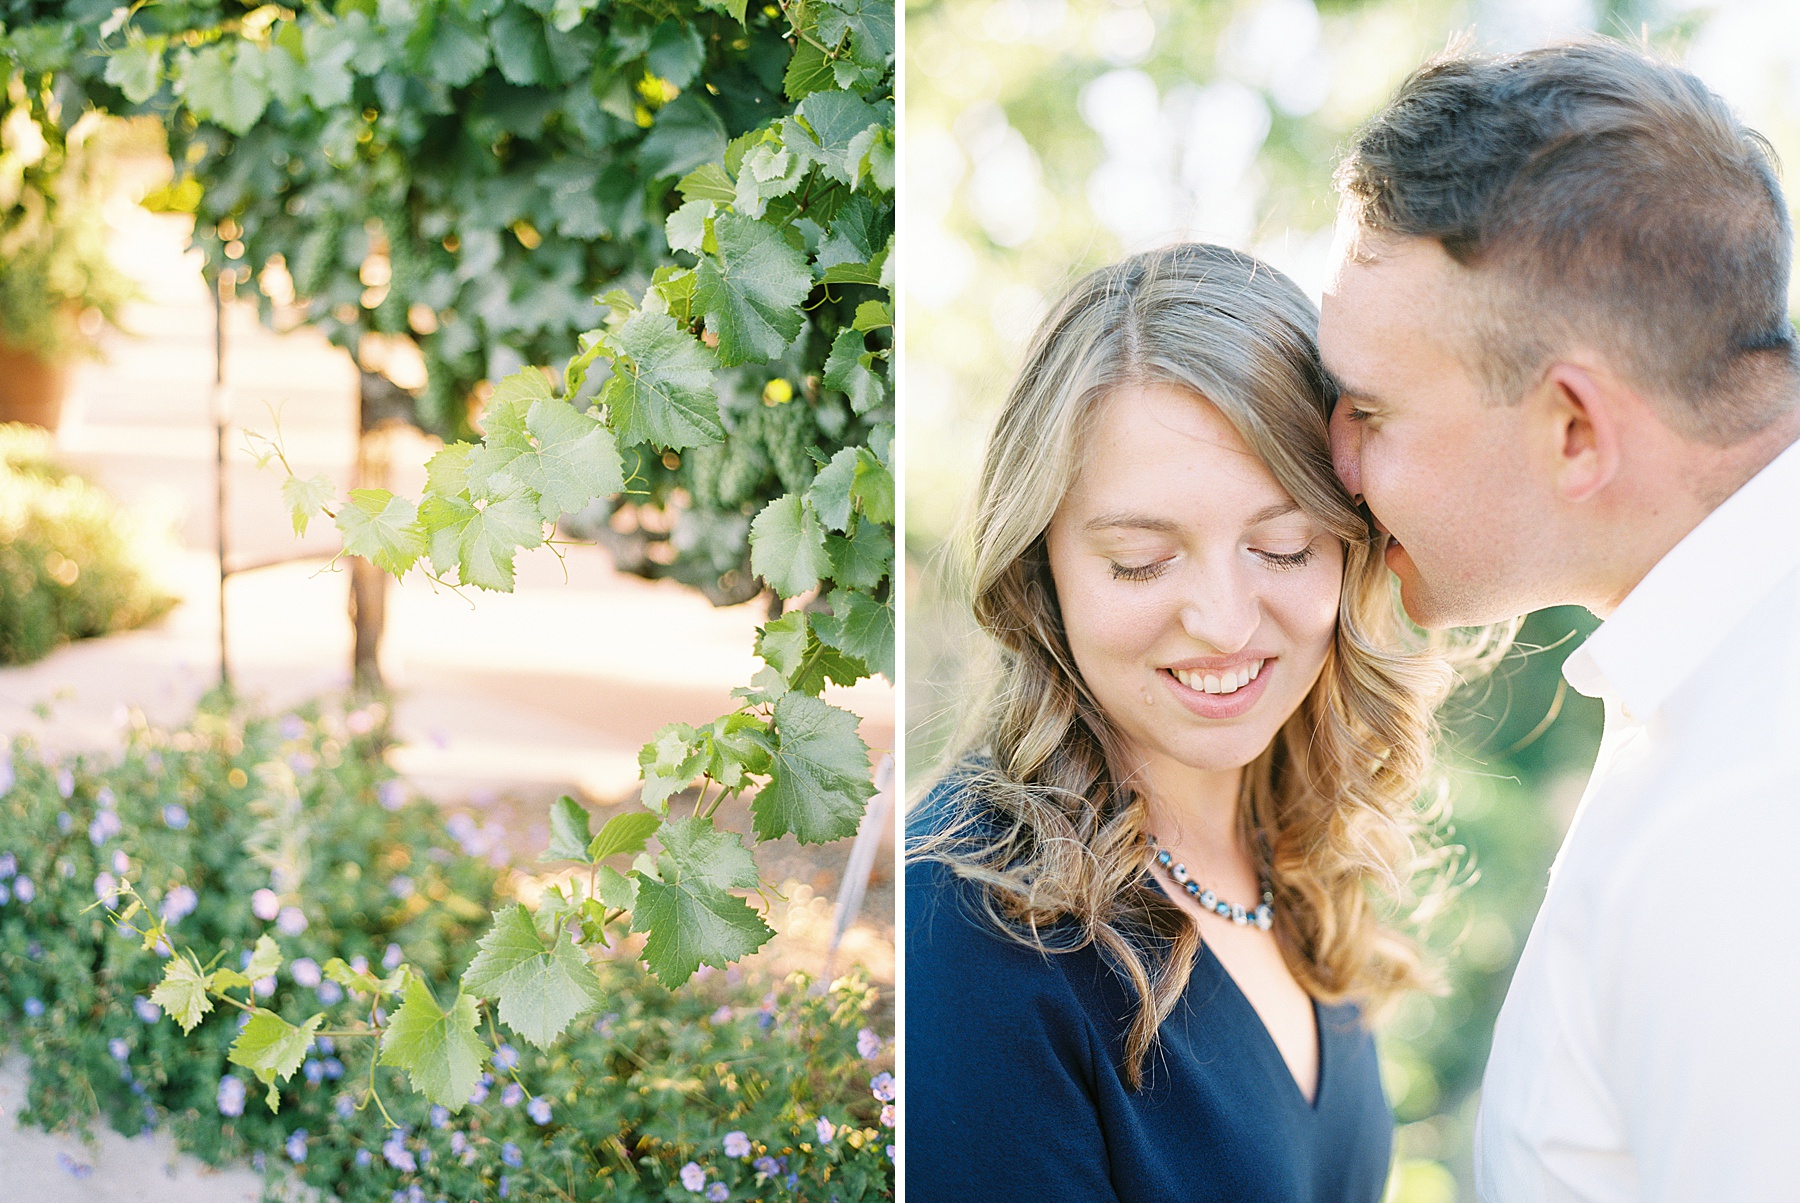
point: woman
(1140, 936)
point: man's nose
(1346, 450)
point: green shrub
(304, 807)
(67, 566)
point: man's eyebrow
(1130, 521)
(1344, 388)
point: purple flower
(722, 1015)
(887, 1116)
(65, 822)
(291, 921)
(606, 1024)
(737, 1144)
(106, 824)
(391, 958)
(392, 794)
(345, 1106)
(890, 1152)
(505, 1186)
(175, 816)
(72, 1167)
(513, 1093)
(179, 903)
(718, 1192)
(826, 1130)
(118, 1048)
(509, 1154)
(396, 1152)
(363, 1156)
(459, 1143)
(330, 993)
(401, 887)
(506, 1058)
(121, 863)
(264, 904)
(65, 783)
(34, 1008)
(334, 1069)
(291, 727)
(765, 1165)
(9, 865)
(539, 1109)
(882, 1086)
(146, 1010)
(868, 1044)
(693, 1177)
(263, 987)
(231, 1096)
(301, 763)
(104, 799)
(106, 887)
(479, 1094)
(305, 972)
(296, 1145)
(314, 1071)
(5, 893)
(439, 1116)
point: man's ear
(1583, 424)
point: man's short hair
(1617, 202)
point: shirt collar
(1681, 611)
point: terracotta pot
(31, 388)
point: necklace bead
(1262, 917)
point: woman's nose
(1222, 612)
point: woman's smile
(1217, 693)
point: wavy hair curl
(1040, 819)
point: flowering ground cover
(286, 847)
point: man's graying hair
(1606, 198)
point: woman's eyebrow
(1130, 521)
(1269, 513)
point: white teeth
(1215, 683)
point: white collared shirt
(1649, 1047)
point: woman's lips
(1218, 705)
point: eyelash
(1357, 415)
(1147, 572)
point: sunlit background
(1046, 137)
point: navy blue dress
(1015, 1085)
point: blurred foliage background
(1046, 137)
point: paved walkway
(501, 705)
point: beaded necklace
(1262, 917)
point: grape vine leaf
(265, 958)
(182, 993)
(272, 1048)
(691, 917)
(628, 832)
(540, 990)
(615, 889)
(862, 626)
(305, 498)
(830, 491)
(382, 528)
(870, 24)
(873, 487)
(136, 68)
(807, 72)
(751, 291)
(485, 539)
(569, 832)
(787, 546)
(351, 978)
(669, 761)
(661, 390)
(226, 83)
(820, 776)
(792, 649)
(847, 369)
(458, 51)
(438, 1049)
(573, 461)
(826, 130)
(860, 560)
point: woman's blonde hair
(1037, 818)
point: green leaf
(708, 182)
(305, 498)
(438, 1049)
(751, 292)
(732, 8)
(687, 134)
(661, 390)
(787, 546)
(272, 1048)
(458, 52)
(861, 626)
(872, 315)
(628, 832)
(782, 641)
(847, 370)
(869, 23)
(382, 528)
(540, 990)
(691, 918)
(226, 83)
(820, 778)
(873, 488)
(520, 49)
(828, 129)
(859, 561)
(669, 762)
(568, 831)
(794, 650)
(615, 889)
(327, 51)
(686, 227)
(447, 472)
(182, 993)
(574, 459)
(829, 495)
(265, 959)
(492, 536)
(362, 980)
(136, 67)
(807, 72)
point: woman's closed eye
(1286, 559)
(1139, 572)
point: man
(1558, 322)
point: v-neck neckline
(1297, 1095)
